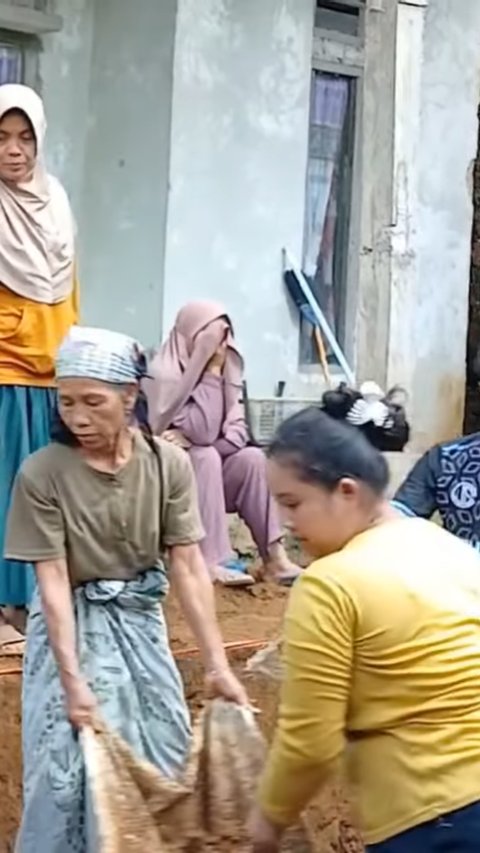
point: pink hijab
(178, 366)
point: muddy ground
(248, 616)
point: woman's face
(95, 412)
(18, 148)
(323, 520)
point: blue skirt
(25, 422)
(125, 657)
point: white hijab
(37, 232)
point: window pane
(11, 64)
(329, 183)
(338, 17)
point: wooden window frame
(30, 49)
(337, 35)
(356, 72)
(27, 21)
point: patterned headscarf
(89, 353)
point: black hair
(324, 450)
(391, 436)
(59, 433)
(17, 111)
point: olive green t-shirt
(107, 526)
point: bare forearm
(56, 595)
(194, 591)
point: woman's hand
(174, 436)
(266, 837)
(81, 704)
(224, 684)
(217, 362)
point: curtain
(10, 64)
(329, 111)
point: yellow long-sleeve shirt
(382, 652)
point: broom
(308, 307)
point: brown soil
(10, 747)
(254, 613)
(245, 616)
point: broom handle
(289, 263)
(322, 355)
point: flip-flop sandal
(288, 579)
(232, 578)
(234, 565)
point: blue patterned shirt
(447, 480)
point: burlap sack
(267, 662)
(138, 809)
(333, 806)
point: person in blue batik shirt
(446, 480)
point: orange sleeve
(76, 296)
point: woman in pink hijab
(194, 400)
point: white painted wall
(434, 297)
(234, 152)
(65, 63)
(238, 170)
(107, 83)
(123, 216)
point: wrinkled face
(95, 412)
(323, 520)
(18, 148)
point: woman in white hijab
(37, 307)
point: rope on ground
(180, 654)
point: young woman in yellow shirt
(381, 652)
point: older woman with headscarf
(95, 511)
(37, 302)
(195, 401)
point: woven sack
(138, 809)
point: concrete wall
(437, 215)
(449, 131)
(126, 166)
(238, 170)
(233, 150)
(64, 80)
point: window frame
(355, 72)
(337, 35)
(30, 49)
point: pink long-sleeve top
(201, 419)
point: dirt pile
(248, 620)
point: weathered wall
(126, 165)
(238, 169)
(65, 63)
(234, 150)
(451, 81)
(435, 298)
